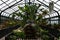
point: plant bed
(8, 30)
(52, 31)
(53, 26)
(17, 34)
(7, 24)
(30, 32)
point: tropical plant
(18, 34)
(28, 14)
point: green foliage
(45, 37)
(44, 12)
(59, 38)
(28, 12)
(19, 34)
(44, 34)
(56, 25)
(12, 37)
(39, 17)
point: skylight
(6, 5)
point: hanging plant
(51, 6)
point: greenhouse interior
(29, 19)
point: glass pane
(7, 15)
(54, 0)
(57, 6)
(59, 12)
(3, 14)
(32, 0)
(41, 0)
(23, 1)
(15, 8)
(12, 3)
(2, 5)
(54, 14)
(9, 1)
(53, 22)
(1, 2)
(22, 5)
(17, 0)
(58, 3)
(55, 9)
(37, 2)
(9, 11)
(47, 1)
(4, 0)
(46, 16)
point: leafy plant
(19, 34)
(12, 37)
(29, 13)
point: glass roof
(9, 6)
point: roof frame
(37, 0)
(10, 6)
